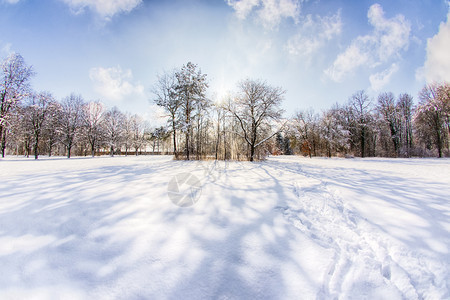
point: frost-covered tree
(333, 134)
(157, 136)
(167, 97)
(114, 123)
(219, 114)
(444, 99)
(14, 86)
(19, 130)
(283, 144)
(51, 135)
(70, 121)
(93, 124)
(256, 107)
(306, 125)
(39, 107)
(127, 132)
(431, 114)
(190, 89)
(137, 132)
(391, 117)
(405, 107)
(202, 126)
(360, 119)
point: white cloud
(115, 84)
(11, 1)
(390, 35)
(313, 33)
(105, 8)
(379, 80)
(269, 12)
(388, 38)
(352, 58)
(437, 63)
(243, 7)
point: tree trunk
(27, 149)
(439, 143)
(174, 139)
(448, 137)
(93, 149)
(314, 147)
(410, 139)
(218, 139)
(363, 142)
(225, 154)
(3, 147)
(36, 150)
(3, 141)
(50, 146)
(188, 129)
(187, 145)
(252, 152)
(199, 138)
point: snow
(289, 227)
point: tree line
(388, 126)
(248, 124)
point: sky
(320, 52)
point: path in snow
(367, 262)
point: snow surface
(286, 228)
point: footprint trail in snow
(366, 262)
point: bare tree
(256, 107)
(70, 121)
(223, 131)
(137, 132)
(166, 97)
(14, 86)
(202, 124)
(391, 117)
(306, 128)
(444, 99)
(51, 130)
(431, 116)
(20, 129)
(127, 132)
(39, 107)
(220, 114)
(93, 123)
(360, 109)
(114, 120)
(333, 134)
(405, 106)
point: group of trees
(43, 125)
(35, 122)
(389, 126)
(247, 124)
(234, 129)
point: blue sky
(320, 51)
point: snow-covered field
(286, 228)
